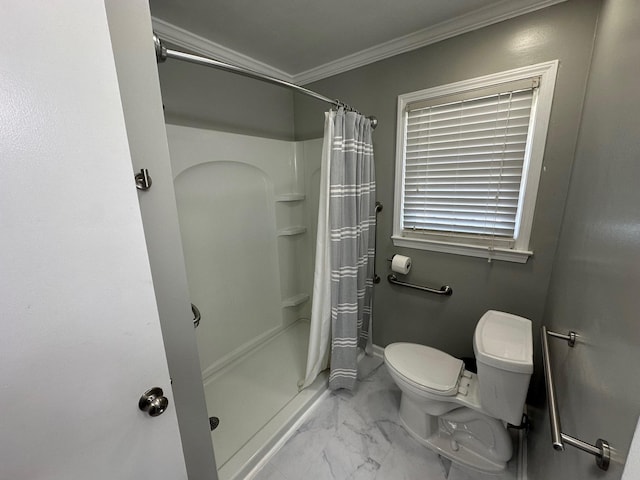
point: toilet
(459, 414)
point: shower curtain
(343, 278)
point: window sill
(505, 254)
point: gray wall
(596, 276)
(201, 97)
(563, 32)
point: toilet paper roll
(401, 264)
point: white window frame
(539, 123)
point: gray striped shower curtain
(352, 220)
(343, 278)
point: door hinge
(143, 180)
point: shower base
(256, 399)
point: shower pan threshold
(257, 400)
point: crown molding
(474, 20)
(184, 39)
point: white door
(80, 339)
(134, 53)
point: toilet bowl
(460, 414)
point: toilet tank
(504, 352)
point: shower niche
(293, 254)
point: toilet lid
(431, 369)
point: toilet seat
(425, 368)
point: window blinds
(464, 163)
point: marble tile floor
(358, 436)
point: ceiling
(304, 40)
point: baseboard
(378, 351)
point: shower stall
(248, 213)
(247, 209)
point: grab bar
(376, 277)
(601, 450)
(196, 315)
(444, 290)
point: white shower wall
(247, 208)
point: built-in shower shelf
(293, 230)
(290, 197)
(295, 300)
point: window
(468, 162)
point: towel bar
(601, 450)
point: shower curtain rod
(162, 53)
